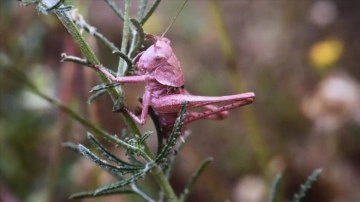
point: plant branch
(274, 187)
(19, 75)
(91, 194)
(163, 182)
(79, 20)
(90, 56)
(122, 67)
(139, 192)
(196, 175)
(115, 8)
(141, 11)
(62, 12)
(150, 12)
(307, 185)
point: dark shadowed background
(301, 58)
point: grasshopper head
(160, 61)
(156, 55)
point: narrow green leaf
(29, 2)
(144, 137)
(109, 155)
(308, 184)
(141, 10)
(150, 12)
(171, 163)
(96, 95)
(91, 194)
(134, 160)
(116, 170)
(116, 9)
(176, 132)
(125, 58)
(193, 179)
(121, 183)
(91, 156)
(75, 59)
(46, 6)
(173, 159)
(123, 67)
(72, 146)
(104, 86)
(83, 25)
(141, 35)
(99, 90)
(274, 187)
(118, 104)
(141, 193)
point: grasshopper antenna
(173, 20)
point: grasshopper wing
(170, 75)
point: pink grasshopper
(159, 68)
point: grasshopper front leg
(123, 79)
(132, 79)
(145, 108)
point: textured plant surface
(147, 164)
(140, 160)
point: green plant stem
(274, 187)
(122, 67)
(90, 126)
(113, 6)
(164, 184)
(91, 194)
(140, 193)
(79, 39)
(64, 17)
(92, 30)
(253, 132)
(195, 176)
(90, 56)
(172, 162)
(138, 33)
(307, 185)
(150, 12)
(141, 10)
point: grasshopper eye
(159, 57)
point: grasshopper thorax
(160, 61)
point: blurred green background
(301, 58)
